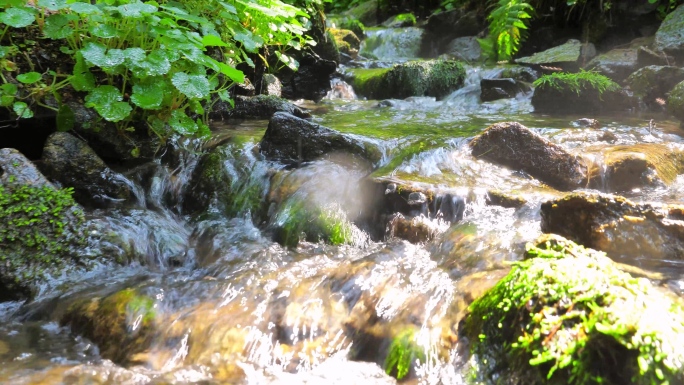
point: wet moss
(347, 42)
(40, 229)
(435, 78)
(403, 352)
(675, 103)
(298, 220)
(568, 315)
(577, 82)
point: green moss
(403, 352)
(409, 17)
(577, 82)
(297, 220)
(435, 78)
(353, 25)
(347, 42)
(567, 315)
(366, 12)
(38, 232)
(675, 103)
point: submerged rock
(294, 140)
(257, 107)
(617, 225)
(579, 93)
(568, 315)
(72, 163)
(121, 324)
(670, 35)
(515, 146)
(436, 78)
(616, 64)
(675, 103)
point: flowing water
(214, 300)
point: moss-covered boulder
(670, 35)
(616, 64)
(515, 146)
(257, 107)
(568, 315)
(624, 168)
(618, 226)
(436, 78)
(568, 56)
(293, 140)
(400, 21)
(654, 82)
(347, 42)
(581, 92)
(71, 162)
(121, 324)
(675, 103)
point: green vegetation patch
(297, 220)
(675, 103)
(577, 82)
(567, 315)
(403, 352)
(40, 230)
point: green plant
(507, 29)
(403, 352)
(578, 82)
(163, 63)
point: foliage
(507, 29)
(577, 82)
(162, 63)
(37, 229)
(403, 352)
(297, 219)
(558, 314)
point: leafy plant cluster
(578, 82)
(508, 22)
(403, 352)
(568, 315)
(37, 228)
(164, 63)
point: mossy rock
(436, 78)
(256, 107)
(400, 21)
(616, 64)
(366, 12)
(568, 315)
(121, 324)
(578, 93)
(675, 103)
(653, 82)
(347, 41)
(670, 35)
(299, 220)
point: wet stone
(586, 122)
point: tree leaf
(97, 54)
(136, 10)
(107, 101)
(57, 27)
(65, 118)
(182, 123)
(22, 110)
(18, 17)
(192, 86)
(149, 93)
(29, 77)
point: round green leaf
(84, 8)
(213, 41)
(82, 79)
(107, 101)
(52, 5)
(136, 10)
(98, 55)
(57, 27)
(65, 118)
(182, 124)
(22, 110)
(29, 77)
(103, 31)
(17, 17)
(134, 56)
(157, 63)
(192, 86)
(149, 93)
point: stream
(219, 301)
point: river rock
(670, 35)
(311, 81)
(647, 57)
(366, 12)
(72, 163)
(121, 324)
(402, 20)
(595, 93)
(561, 307)
(616, 64)
(627, 167)
(271, 85)
(654, 82)
(494, 89)
(16, 168)
(618, 226)
(436, 78)
(515, 146)
(464, 48)
(294, 140)
(257, 107)
(347, 42)
(520, 73)
(675, 103)
(442, 28)
(569, 56)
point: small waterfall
(393, 44)
(340, 90)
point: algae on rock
(568, 315)
(675, 103)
